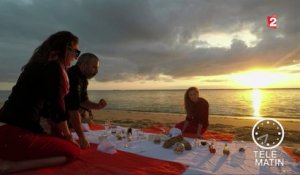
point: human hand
(71, 139)
(84, 144)
(102, 103)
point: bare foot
(5, 166)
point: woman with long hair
(196, 108)
(43, 82)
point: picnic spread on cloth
(120, 150)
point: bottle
(129, 131)
(212, 149)
(226, 151)
(129, 134)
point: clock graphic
(267, 133)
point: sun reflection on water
(256, 102)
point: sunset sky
(162, 44)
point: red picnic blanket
(290, 152)
(93, 162)
(94, 126)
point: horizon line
(185, 89)
(291, 88)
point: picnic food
(170, 142)
(178, 139)
(179, 148)
(211, 148)
(187, 145)
(119, 136)
(226, 150)
(241, 150)
(203, 143)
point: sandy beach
(241, 127)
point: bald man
(86, 68)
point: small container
(119, 136)
(203, 143)
(129, 137)
(242, 150)
(226, 151)
(179, 148)
(157, 140)
(113, 130)
(129, 131)
(211, 148)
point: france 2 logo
(272, 21)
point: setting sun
(257, 79)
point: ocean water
(278, 103)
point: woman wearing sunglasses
(43, 82)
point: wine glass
(106, 126)
(113, 130)
(141, 134)
(127, 141)
(196, 143)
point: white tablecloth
(200, 160)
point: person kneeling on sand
(77, 100)
(23, 142)
(197, 113)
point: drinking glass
(127, 141)
(113, 130)
(107, 126)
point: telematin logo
(268, 134)
(272, 21)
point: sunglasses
(76, 51)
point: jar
(179, 148)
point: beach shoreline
(240, 127)
(288, 124)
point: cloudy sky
(162, 44)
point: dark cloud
(215, 81)
(141, 40)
